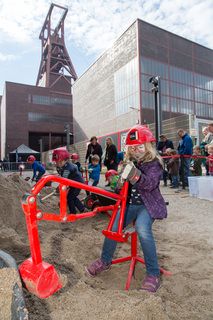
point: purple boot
(151, 283)
(97, 267)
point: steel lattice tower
(56, 69)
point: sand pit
(184, 242)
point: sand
(184, 244)
(8, 277)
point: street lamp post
(41, 149)
(68, 135)
(156, 89)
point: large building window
(41, 100)
(204, 82)
(204, 96)
(152, 67)
(145, 85)
(204, 110)
(49, 101)
(182, 91)
(149, 68)
(43, 117)
(126, 88)
(180, 75)
(148, 100)
(181, 106)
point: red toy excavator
(41, 277)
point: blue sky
(91, 27)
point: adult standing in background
(185, 148)
(110, 158)
(209, 142)
(164, 144)
(93, 148)
(203, 143)
(204, 152)
(209, 136)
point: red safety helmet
(139, 135)
(110, 173)
(75, 156)
(60, 155)
(31, 158)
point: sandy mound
(12, 189)
(13, 231)
(8, 277)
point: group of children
(71, 170)
(172, 165)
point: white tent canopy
(22, 149)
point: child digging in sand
(145, 205)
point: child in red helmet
(75, 160)
(70, 171)
(144, 206)
(112, 178)
(37, 167)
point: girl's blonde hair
(149, 155)
(109, 138)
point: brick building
(30, 113)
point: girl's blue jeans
(143, 226)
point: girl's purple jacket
(148, 187)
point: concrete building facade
(115, 93)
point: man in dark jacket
(164, 144)
(185, 150)
(93, 148)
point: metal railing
(15, 166)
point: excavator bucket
(40, 279)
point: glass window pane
(153, 67)
(126, 87)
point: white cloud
(7, 57)
(21, 20)
(100, 22)
(94, 25)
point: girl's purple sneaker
(97, 267)
(151, 283)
